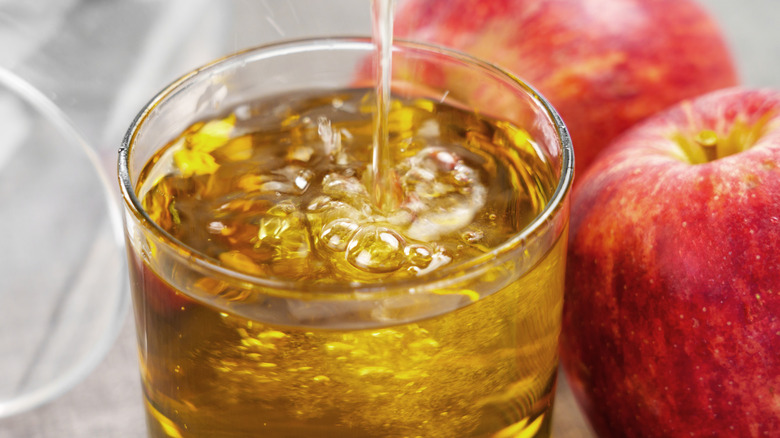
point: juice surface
(277, 189)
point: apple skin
(603, 64)
(672, 313)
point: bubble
(283, 230)
(376, 249)
(440, 257)
(303, 179)
(463, 175)
(418, 255)
(298, 178)
(337, 234)
(473, 236)
(324, 210)
(345, 188)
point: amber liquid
(278, 190)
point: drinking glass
(469, 350)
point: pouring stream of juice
(383, 180)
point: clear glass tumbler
(466, 350)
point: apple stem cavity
(708, 145)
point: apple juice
(278, 189)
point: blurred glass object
(62, 292)
(73, 74)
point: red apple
(672, 312)
(603, 64)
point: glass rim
(466, 269)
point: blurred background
(95, 64)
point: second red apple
(604, 64)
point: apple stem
(708, 141)
(707, 145)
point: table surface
(108, 402)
